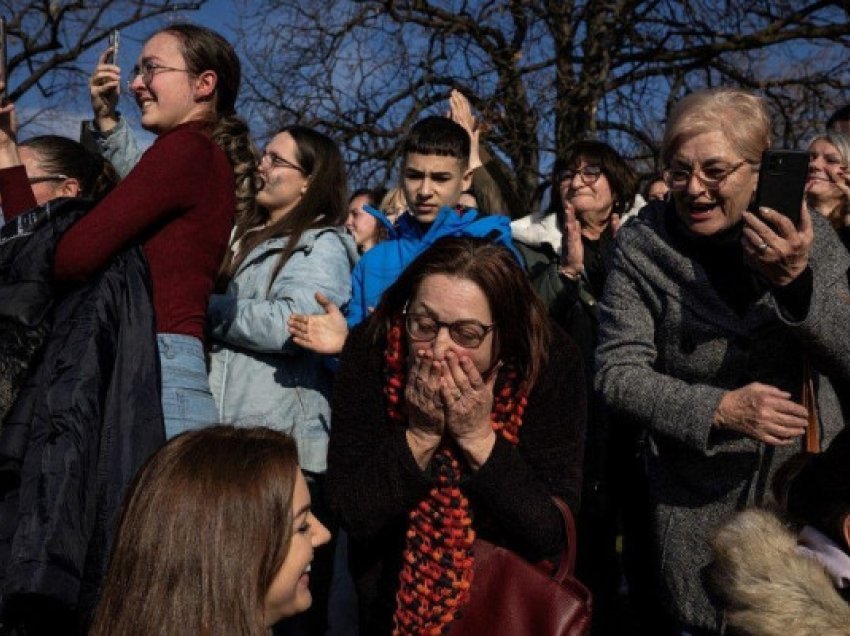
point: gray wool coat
(670, 347)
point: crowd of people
(237, 399)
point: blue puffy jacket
(381, 266)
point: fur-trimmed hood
(768, 586)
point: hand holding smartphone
(782, 182)
(114, 41)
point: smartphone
(3, 58)
(782, 181)
(114, 41)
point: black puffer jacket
(87, 418)
(26, 294)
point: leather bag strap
(568, 559)
(811, 440)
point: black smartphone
(782, 181)
(3, 73)
(114, 41)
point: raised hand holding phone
(105, 86)
(782, 182)
(778, 230)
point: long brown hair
(324, 203)
(203, 49)
(522, 328)
(204, 530)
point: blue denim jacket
(119, 146)
(258, 376)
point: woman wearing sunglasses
(456, 403)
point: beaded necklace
(436, 574)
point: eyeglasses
(589, 175)
(48, 177)
(148, 69)
(711, 177)
(276, 161)
(467, 333)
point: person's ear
(70, 187)
(845, 530)
(205, 85)
(466, 180)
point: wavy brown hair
(324, 203)
(204, 530)
(523, 331)
(205, 50)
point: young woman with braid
(459, 410)
(179, 202)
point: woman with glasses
(179, 202)
(51, 167)
(592, 187)
(290, 248)
(828, 183)
(455, 403)
(709, 320)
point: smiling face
(826, 167)
(285, 183)
(592, 202)
(706, 211)
(171, 97)
(449, 299)
(363, 226)
(289, 592)
(431, 182)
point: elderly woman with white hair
(716, 311)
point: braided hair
(204, 49)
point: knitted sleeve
(372, 477)
(516, 484)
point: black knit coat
(374, 482)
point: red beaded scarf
(437, 563)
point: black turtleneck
(722, 257)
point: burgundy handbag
(511, 597)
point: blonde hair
(841, 142)
(741, 116)
(393, 203)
